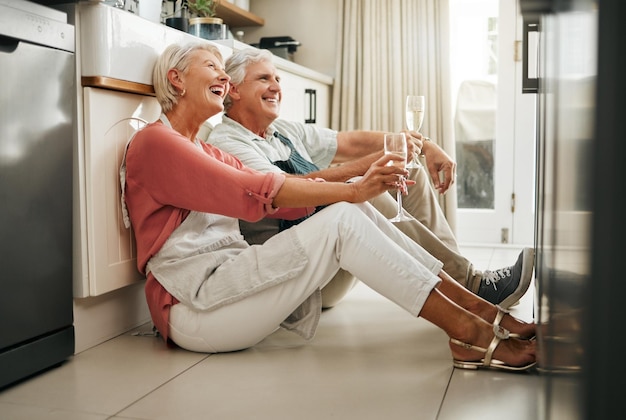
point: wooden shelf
(236, 17)
(117, 84)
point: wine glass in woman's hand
(395, 144)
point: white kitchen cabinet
(305, 100)
(106, 247)
(306, 93)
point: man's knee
(337, 288)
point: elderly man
(252, 131)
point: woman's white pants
(355, 237)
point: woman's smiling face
(205, 81)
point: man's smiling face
(260, 92)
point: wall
(312, 23)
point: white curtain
(389, 49)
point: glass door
(494, 124)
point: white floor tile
(490, 395)
(30, 412)
(106, 378)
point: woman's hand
(379, 178)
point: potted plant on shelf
(204, 23)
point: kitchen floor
(369, 360)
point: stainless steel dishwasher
(37, 117)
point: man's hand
(414, 143)
(439, 162)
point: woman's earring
(183, 93)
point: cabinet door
(304, 100)
(107, 252)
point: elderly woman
(209, 291)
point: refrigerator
(37, 125)
(574, 60)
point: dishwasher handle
(8, 45)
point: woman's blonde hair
(177, 57)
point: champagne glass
(395, 144)
(414, 110)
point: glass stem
(399, 200)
